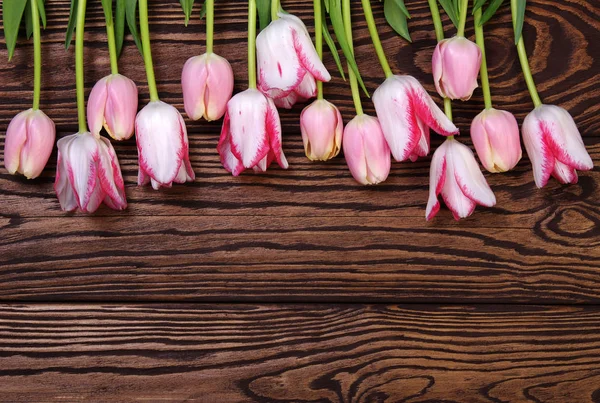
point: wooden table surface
(300, 285)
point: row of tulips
(290, 70)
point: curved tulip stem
(79, 66)
(437, 20)
(210, 24)
(462, 21)
(366, 5)
(112, 47)
(252, 43)
(318, 40)
(347, 18)
(145, 32)
(37, 55)
(274, 9)
(525, 63)
(483, 72)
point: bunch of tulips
(285, 68)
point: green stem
(79, 66)
(210, 24)
(366, 4)
(112, 47)
(37, 55)
(437, 20)
(145, 31)
(252, 43)
(485, 81)
(318, 40)
(347, 18)
(274, 9)
(524, 62)
(462, 21)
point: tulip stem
(112, 47)
(462, 21)
(366, 5)
(252, 43)
(347, 18)
(79, 66)
(210, 24)
(485, 81)
(145, 31)
(318, 40)
(437, 20)
(37, 55)
(274, 10)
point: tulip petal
(437, 67)
(40, 136)
(273, 127)
(307, 54)
(62, 187)
(429, 112)
(249, 137)
(229, 161)
(288, 101)
(111, 180)
(565, 174)
(468, 175)
(459, 204)
(564, 139)
(96, 105)
(16, 138)
(542, 160)
(193, 83)
(437, 177)
(121, 107)
(219, 87)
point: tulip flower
(113, 104)
(406, 112)
(251, 134)
(29, 142)
(306, 90)
(162, 144)
(322, 128)
(456, 62)
(456, 175)
(285, 55)
(207, 83)
(366, 151)
(554, 145)
(88, 174)
(495, 135)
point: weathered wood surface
(299, 353)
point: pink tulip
(285, 55)
(456, 175)
(113, 104)
(207, 83)
(456, 62)
(88, 173)
(366, 151)
(406, 112)
(322, 127)
(554, 145)
(162, 143)
(251, 134)
(29, 142)
(495, 135)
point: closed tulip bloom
(495, 135)
(554, 145)
(456, 62)
(406, 112)
(112, 104)
(207, 83)
(162, 144)
(88, 173)
(456, 175)
(251, 134)
(29, 142)
(322, 128)
(285, 54)
(366, 151)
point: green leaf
(396, 18)
(42, 11)
(264, 13)
(490, 11)
(120, 25)
(72, 23)
(400, 4)
(131, 17)
(450, 9)
(337, 21)
(187, 6)
(12, 14)
(28, 20)
(203, 10)
(108, 11)
(326, 4)
(478, 4)
(332, 48)
(518, 18)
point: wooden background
(300, 285)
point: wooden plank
(298, 259)
(299, 353)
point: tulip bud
(162, 144)
(554, 145)
(366, 151)
(322, 127)
(88, 173)
(29, 142)
(207, 83)
(113, 104)
(495, 135)
(456, 62)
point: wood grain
(299, 353)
